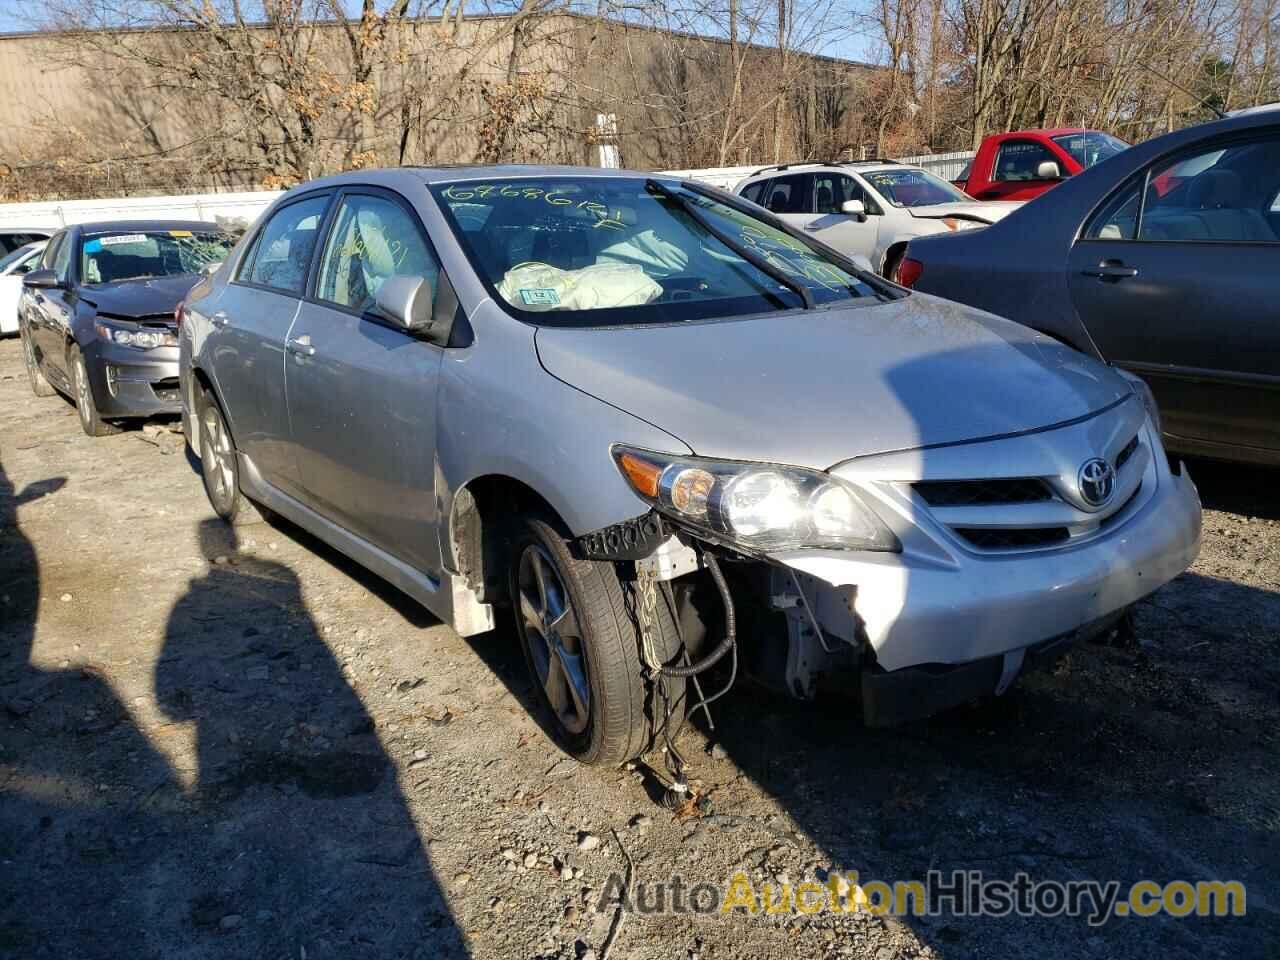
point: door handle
(813, 227)
(301, 346)
(220, 319)
(1111, 270)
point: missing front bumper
(894, 697)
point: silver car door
(362, 391)
(248, 326)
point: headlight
(144, 338)
(1148, 398)
(960, 223)
(762, 505)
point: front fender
(502, 414)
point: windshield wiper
(882, 289)
(761, 264)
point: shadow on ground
(282, 833)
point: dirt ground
(255, 749)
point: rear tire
(220, 468)
(39, 385)
(90, 420)
(582, 647)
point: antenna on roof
(1177, 86)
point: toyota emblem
(1097, 481)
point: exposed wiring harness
(678, 792)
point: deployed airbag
(540, 286)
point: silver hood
(817, 388)
(988, 211)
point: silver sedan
(677, 438)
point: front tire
(90, 420)
(220, 468)
(39, 385)
(582, 648)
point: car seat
(1217, 198)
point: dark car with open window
(97, 317)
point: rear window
(133, 255)
(599, 250)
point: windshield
(112, 257)
(600, 250)
(10, 259)
(914, 188)
(1090, 147)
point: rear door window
(1215, 195)
(788, 194)
(283, 249)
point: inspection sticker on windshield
(539, 297)
(180, 233)
(123, 238)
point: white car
(13, 267)
(868, 208)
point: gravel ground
(255, 749)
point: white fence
(246, 207)
(948, 166)
(225, 207)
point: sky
(12, 17)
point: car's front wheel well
(482, 526)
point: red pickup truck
(1025, 163)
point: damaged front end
(791, 629)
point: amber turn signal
(642, 474)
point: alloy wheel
(29, 353)
(218, 456)
(82, 391)
(552, 631)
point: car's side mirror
(407, 302)
(1048, 170)
(41, 279)
(855, 208)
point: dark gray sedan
(97, 315)
(1164, 260)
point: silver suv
(869, 208)
(668, 432)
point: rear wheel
(86, 406)
(220, 468)
(583, 649)
(39, 385)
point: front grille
(146, 320)
(989, 538)
(1119, 511)
(1129, 450)
(976, 493)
